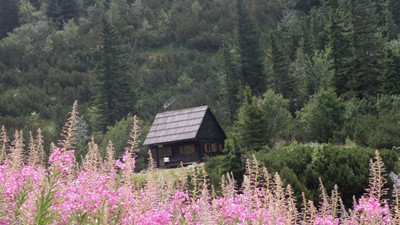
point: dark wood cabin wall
(176, 156)
(209, 129)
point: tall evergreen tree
(249, 123)
(340, 49)
(391, 75)
(116, 96)
(8, 16)
(283, 82)
(251, 55)
(232, 81)
(367, 50)
(60, 11)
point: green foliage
(116, 97)
(231, 82)
(262, 121)
(366, 67)
(282, 82)
(44, 213)
(377, 132)
(302, 165)
(390, 77)
(24, 101)
(322, 117)
(373, 124)
(394, 7)
(340, 49)
(233, 161)
(35, 3)
(119, 134)
(251, 56)
(61, 11)
(189, 53)
(8, 16)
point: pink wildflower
(61, 159)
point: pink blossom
(62, 160)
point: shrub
(322, 116)
(301, 166)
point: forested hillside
(310, 87)
(271, 71)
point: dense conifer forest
(277, 74)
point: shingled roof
(176, 125)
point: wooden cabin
(185, 136)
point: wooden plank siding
(168, 139)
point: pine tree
(251, 55)
(8, 16)
(116, 97)
(367, 50)
(61, 11)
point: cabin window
(214, 147)
(208, 148)
(186, 149)
(166, 151)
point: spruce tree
(340, 49)
(391, 76)
(248, 125)
(232, 81)
(282, 81)
(115, 97)
(251, 55)
(61, 11)
(367, 50)
(8, 16)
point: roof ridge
(171, 134)
(177, 127)
(198, 117)
(186, 109)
